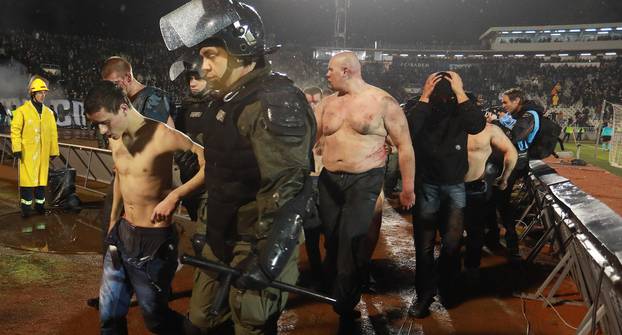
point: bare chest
(145, 163)
(362, 116)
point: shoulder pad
(285, 108)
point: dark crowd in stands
(79, 59)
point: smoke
(15, 80)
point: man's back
(143, 167)
(354, 130)
(479, 151)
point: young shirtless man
(355, 122)
(142, 252)
(479, 180)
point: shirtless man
(355, 122)
(142, 252)
(479, 181)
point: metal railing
(585, 234)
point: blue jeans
(150, 278)
(438, 207)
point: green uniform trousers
(252, 312)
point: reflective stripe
(536, 127)
(26, 202)
(40, 201)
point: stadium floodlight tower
(341, 22)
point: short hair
(515, 93)
(105, 94)
(313, 90)
(116, 64)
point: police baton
(206, 264)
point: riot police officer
(258, 142)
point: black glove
(17, 154)
(252, 276)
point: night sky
(311, 22)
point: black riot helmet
(233, 24)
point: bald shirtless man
(142, 253)
(355, 122)
(479, 181)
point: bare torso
(144, 173)
(480, 148)
(354, 131)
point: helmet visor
(190, 60)
(196, 21)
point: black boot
(40, 209)
(26, 211)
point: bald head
(344, 70)
(116, 64)
(347, 60)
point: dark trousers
(438, 207)
(26, 195)
(347, 204)
(147, 276)
(507, 210)
(476, 219)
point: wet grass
(30, 269)
(587, 154)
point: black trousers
(347, 204)
(507, 210)
(476, 218)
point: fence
(588, 237)
(91, 164)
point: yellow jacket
(36, 137)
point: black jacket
(440, 140)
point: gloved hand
(252, 277)
(17, 154)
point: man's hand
(457, 86)
(456, 82)
(407, 199)
(501, 183)
(165, 208)
(18, 155)
(252, 277)
(429, 85)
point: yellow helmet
(38, 85)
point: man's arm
(502, 143)
(117, 201)
(54, 150)
(17, 123)
(282, 146)
(471, 117)
(397, 127)
(173, 141)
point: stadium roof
(492, 30)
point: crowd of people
(78, 56)
(248, 159)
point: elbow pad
(285, 232)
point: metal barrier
(92, 164)
(588, 237)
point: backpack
(546, 139)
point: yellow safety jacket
(36, 137)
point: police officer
(191, 119)
(34, 139)
(258, 141)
